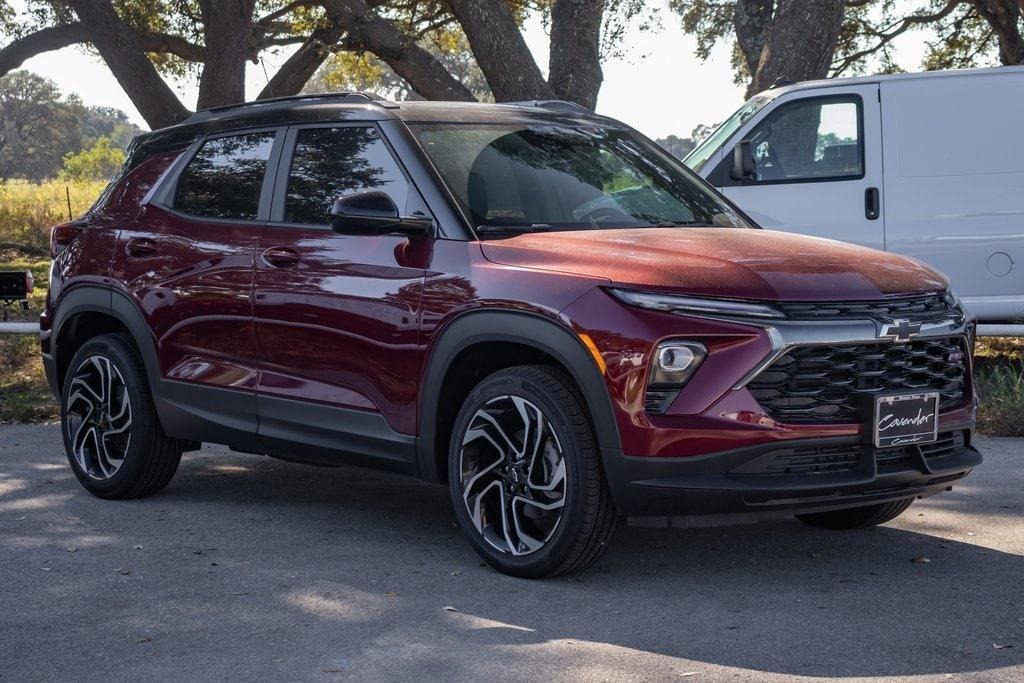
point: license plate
(907, 419)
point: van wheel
(858, 518)
(525, 475)
(112, 436)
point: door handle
(872, 204)
(280, 257)
(141, 246)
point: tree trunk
(575, 64)
(751, 20)
(227, 26)
(131, 67)
(500, 50)
(1004, 16)
(368, 31)
(801, 42)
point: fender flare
(520, 327)
(98, 299)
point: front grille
(840, 458)
(914, 308)
(833, 383)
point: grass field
(27, 212)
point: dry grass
(28, 210)
(24, 394)
(999, 374)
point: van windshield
(540, 177)
(702, 152)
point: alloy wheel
(98, 417)
(513, 475)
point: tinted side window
(810, 140)
(225, 178)
(331, 162)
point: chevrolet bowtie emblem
(900, 330)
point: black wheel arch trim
(519, 327)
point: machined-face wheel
(513, 475)
(98, 417)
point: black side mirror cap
(743, 167)
(373, 212)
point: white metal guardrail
(19, 328)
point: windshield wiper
(513, 229)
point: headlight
(690, 305)
(672, 365)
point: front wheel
(525, 475)
(859, 517)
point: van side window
(817, 139)
(225, 177)
(331, 162)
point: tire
(135, 458)
(530, 507)
(858, 518)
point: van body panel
(947, 157)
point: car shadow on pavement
(347, 571)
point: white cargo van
(929, 165)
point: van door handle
(280, 257)
(872, 204)
(141, 246)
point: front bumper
(799, 476)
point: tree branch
(893, 31)
(131, 67)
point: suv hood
(721, 262)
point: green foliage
(39, 128)
(99, 162)
(36, 127)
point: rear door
(187, 263)
(818, 160)
(337, 316)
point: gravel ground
(250, 568)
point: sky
(658, 86)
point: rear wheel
(112, 436)
(858, 518)
(525, 475)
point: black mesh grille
(915, 308)
(848, 457)
(828, 383)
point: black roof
(356, 106)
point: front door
(337, 316)
(818, 166)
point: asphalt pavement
(251, 568)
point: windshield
(537, 177)
(704, 150)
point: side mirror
(743, 162)
(373, 213)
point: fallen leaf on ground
(920, 559)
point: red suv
(530, 302)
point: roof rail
(556, 105)
(341, 97)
